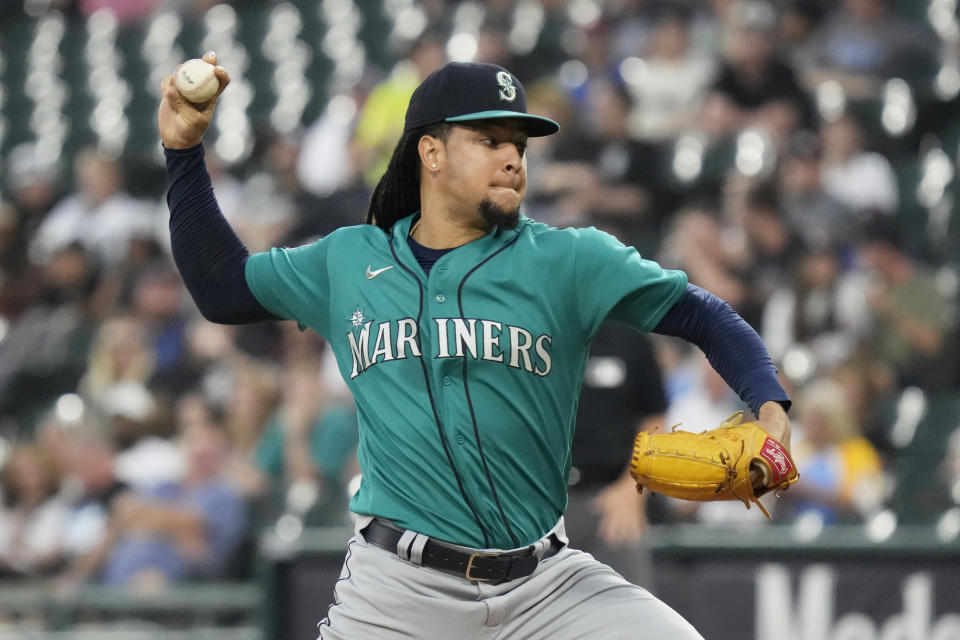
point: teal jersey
(466, 382)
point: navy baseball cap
(465, 91)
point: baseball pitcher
(462, 328)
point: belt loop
(403, 544)
(560, 531)
(416, 548)
(541, 546)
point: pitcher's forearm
(209, 255)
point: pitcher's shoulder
(356, 235)
(572, 238)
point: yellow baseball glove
(712, 465)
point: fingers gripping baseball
(182, 123)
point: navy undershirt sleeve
(208, 254)
(732, 346)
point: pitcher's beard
(496, 216)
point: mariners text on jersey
(456, 338)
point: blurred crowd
(142, 445)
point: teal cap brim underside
(535, 125)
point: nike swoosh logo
(371, 274)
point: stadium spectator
(632, 24)
(493, 40)
(541, 53)
(670, 87)
(272, 200)
(824, 309)
(310, 441)
(31, 187)
(254, 393)
(548, 156)
(33, 183)
(120, 353)
(33, 515)
(867, 385)
(312, 216)
(842, 472)
(146, 456)
(380, 120)
(329, 167)
(328, 162)
(772, 247)
(44, 353)
(754, 86)
(91, 486)
(180, 530)
(862, 180)
(797, 25)
(819, 217)
(158, 302)
(699, 242)
(861, 43)
(99, 215)
(611, 180)
(117, 289)
(210, 354)
(914, 319)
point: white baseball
(195, 81)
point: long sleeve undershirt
(731, 345)
(210, 256)
(211, 259)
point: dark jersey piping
(433, 406)
(466, 391)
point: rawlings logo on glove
(712, 465)
(777, 459)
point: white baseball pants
(570, 596)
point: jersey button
(460, 438)
(447, 381)
(441, 298)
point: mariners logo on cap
(508, 91)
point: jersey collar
(492, 240)
(461, 258)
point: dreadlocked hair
(397, 195)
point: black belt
(479, 566)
